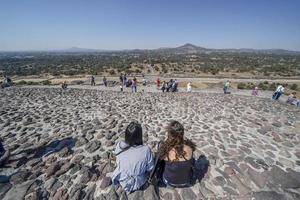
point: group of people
(93, 82)
(174, 163)
(171, 86)
(124, 81)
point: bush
(46, 82)
(32, 83)
(250, 86)
(22, 82)
(138, 71)
(294, 86)
(262, 86)
(111, 72)
(272, 86)
(241, 86)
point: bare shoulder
(189, 151)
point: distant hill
(192, 49)
(187, 48)
(77, 49)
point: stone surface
(64, 142)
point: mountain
(193, 49)
(187, 48)
(77, 49)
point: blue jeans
(133, 88)
(277, 95)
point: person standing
(158, 83)
(255, 91)
(104, 81)
(226, 87)
(134, 85)
(93, 81)
(189, 87)
(121, 78)
(124, 79)
(164, 85)
(279, 91)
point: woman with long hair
(134, 160)
(177, 154)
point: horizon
(117, 25)
(107, 50)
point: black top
(179, 172)
(1, 149)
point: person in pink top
(255, 91)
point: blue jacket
(133, 166)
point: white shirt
(280, 88)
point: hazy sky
(128, 24)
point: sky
(148, 24)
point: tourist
(255, 91)
(121, 78)
(278, 92)
(189, 87)
(169, 85)
(158, 83)
(177, 153)
(133, 159)
(134, 85)
(226, 87)
(104, 81)
(144, 82)
(124, 79)
(174, 86)
(93, 81)
(7, 82)
(292, 99)
(164, 86)
(64, 85)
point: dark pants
(277, 95)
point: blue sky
(129, 24)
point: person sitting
(7, 82)
(177, 153)
(134, 160)
(292, 99)
(64, 85)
